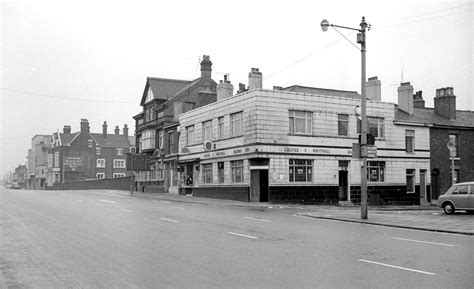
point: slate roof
(464, 118)
(112, 140)
(67, 138)
(163, 88)
(322, 91)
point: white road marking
(107, 201)
(100, 205)
(257, 219)
(128, 211)
(180, 208)
(397, 267)
(169, 220)
(425, 242)
(242, 235)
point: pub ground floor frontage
(303, 174)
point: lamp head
(324, 25)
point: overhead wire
(66, 98)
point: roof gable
(111, 141)
(162, 88)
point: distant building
(156, 126)
(295, 144)
(20, 176)
(84, 155)
(37, 161)
(446, 124)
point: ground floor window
(220, 172)
(410, 180)
(207, 173)
(237, 168)
(100, 175)
(56, 177)
(376, 171)
(119, 175)
(301, 170)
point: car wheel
(448, 208)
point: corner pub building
(294, 145)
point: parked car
(459, 197)
(16, 186)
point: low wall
(122, 184)
(228, 193)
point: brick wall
(122, 184)
(440, 159)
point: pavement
(409, 217)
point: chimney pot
(104, 129)
(255, 79)
(405, 97)
(206, 67)
(117, 130)
(374, 89)
(125, 130)
(445, 103)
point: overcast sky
(66, 60)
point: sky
(62, 61)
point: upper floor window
(453, 138)
(342, 124)
(189, 134)
(119, 163)
(90, 143)
(206, 130)
(220, 128)
(148, 139)
(236, 124)
(98, 151)
(56, 159)
(119, 152)
(409, 141)
(170, 140)
(101, 163)
(300, 121)
(375, 126)
(160, 138)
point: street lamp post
(361, 37)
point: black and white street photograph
(240, 144)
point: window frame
(189, 135)
(100, 163)
(119, 175)
(341, 121)
(119, 163)
(207, 173)
(294, 165)
(410, 181)
(236, 124)
(220, 127)
(119, 151)
(237, 176)
(455, 137)
(307, 120)
(100, 175)
(380, 167)
(410, 141)
(207, 130)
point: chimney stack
(445, 103)
(241, 88)
(104, 129)
(374, 88)
(225, 89)
(418, 101)
(405, 97)
(255, 79)
(117, 130)
(206, 67)
(67, 129)
(85, 125)
(125, 130)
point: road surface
(96, 239)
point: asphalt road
(93, 239)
